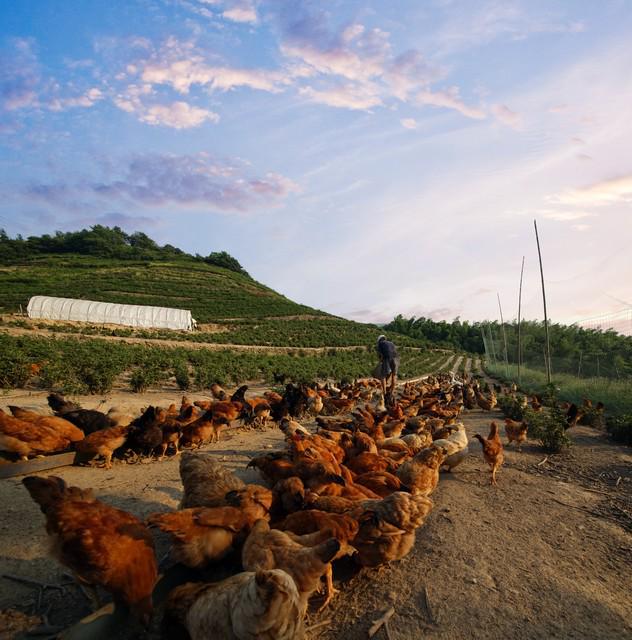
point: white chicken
(456, 445)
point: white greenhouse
(133, 315)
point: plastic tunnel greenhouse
(132, 315)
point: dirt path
(543, 555)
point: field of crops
(96, 366)
(210, 292)
(293, 332)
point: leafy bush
(98, 377)
(181, 373)
(548, 426)
(15, 373)
(620, 428)
(511, 407)
(144, 377)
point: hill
(247, 330)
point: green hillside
(210, 292)
(112, 266)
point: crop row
(313, 332)
(208, 291)
(94, 366)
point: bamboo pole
(546, 318)
(491, 342)
(519, 328)
(502, 324)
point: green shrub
(98, 377)
(62, 376)
(15, 373)
(511, 407)
(181, 373)
(144, 377)
(620, 427)
(549, 427)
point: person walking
(389, 363)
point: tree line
(104, 242)
(583, 352)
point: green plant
(144, 377)
(511, 407)
(620, 428)
(98, 377)
(15, 373)
(181, 373)
(549, 427)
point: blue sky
(365, 158)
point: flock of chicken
(359, 486)
(27, 433)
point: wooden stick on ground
(381, 621)
(318, 625)
(431, 616)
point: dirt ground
(546, 554)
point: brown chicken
(311, 528)
(289, 496)
(262, 605)
(267, 548)
(100, 544)
(331, 504)
(59, 425)
(274, 466)
(206, 482)
(421, 474)
(254, 501)
(26, 438)
(206, 428)
(218, 392)
(486, 403)
(370, 462)
(387, 527)
(516, 432)
(104, 443)
(492, 450)
(201, 535)
(382, 483)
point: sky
(364, 158)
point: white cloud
(88, 99)
(504, 114)
(177, 115)
(449, 99)
(607, 192)
(181, 65)
(241, 11)
(348, 96)
(409, 123)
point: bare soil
(545, 554)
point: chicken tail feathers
(328, 550)
(45, 491)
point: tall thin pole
(492, 346)
(519, 328)
(502, 322)
(484, 342)
(546, 318)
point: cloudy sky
(366, 158)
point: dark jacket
(387, 350)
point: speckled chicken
(261, 605)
